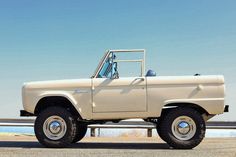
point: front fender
(62, 94)
(66, 95)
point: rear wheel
(159, 131)
(80, 132)
(182, 128)
(55, 127)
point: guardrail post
(149, 132)
(93, 132)
(99, 132)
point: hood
(58, 84)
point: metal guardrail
(120, 125)
(150, 126)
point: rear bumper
(24, 113)
(226, 109)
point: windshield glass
(106, 70)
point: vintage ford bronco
(179, 106)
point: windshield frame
(100, 65)
(107, 54)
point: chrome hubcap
(54, 127)
(183, 128)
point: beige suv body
(108, 96)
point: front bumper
(24, 113)
(226, 109)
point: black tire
(80, 132)
(69, 132)
(167, 133)
(160, 124)
(159, 131)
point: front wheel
(55, 127)
(80, 132)
(183, 128)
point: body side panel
(119, 98)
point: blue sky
(58, 39)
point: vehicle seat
(151, 73)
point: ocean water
(120, 132)
(17, 130)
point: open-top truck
(179, 106)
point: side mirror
(114, 57)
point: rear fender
(212, 106)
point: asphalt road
(116, 147)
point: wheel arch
(60, 101)
(195, 106)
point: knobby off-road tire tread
(67, 139)
(166, 132)
(80, 132)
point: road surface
(27, 146)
